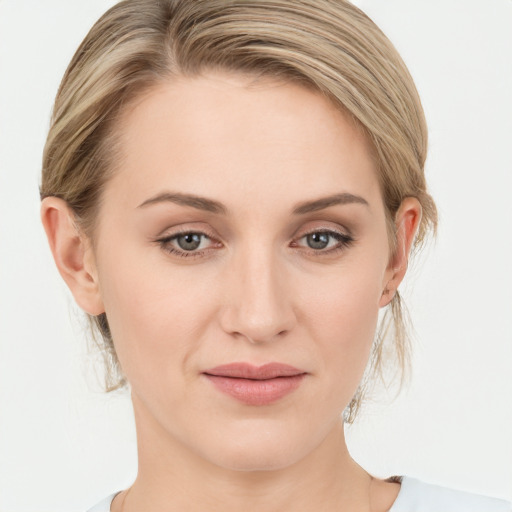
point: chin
(255, 458)
(260, 446)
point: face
(241, 255)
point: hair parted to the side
(327, 45)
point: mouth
(255, 385)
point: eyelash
(344, 241)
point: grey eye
(189, 241)
(318, 240)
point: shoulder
(417, 496)
(103, 505)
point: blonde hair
(328, 45)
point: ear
(72, 253)
(407, 221)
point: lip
(256, 385)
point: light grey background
(64, 444)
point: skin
(256, 291)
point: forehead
(239, 139)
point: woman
(231, 191)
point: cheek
(157, 317)
(347, 301)
(343, 317)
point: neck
(172, 477)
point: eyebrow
(210, 205)
(200, 203)
(326, 202)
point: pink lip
(255, 385)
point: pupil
(189, 242)
(318, 240)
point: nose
(258, 302)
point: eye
(187, 243)
(318, 240)
(190, 241)
(325, 241)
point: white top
(414, 496)
(417, 496)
